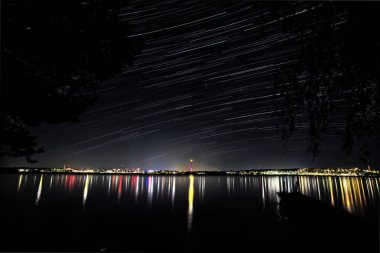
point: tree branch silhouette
(55, 54)
(337, 59)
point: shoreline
(192, 173)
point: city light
(275, 172)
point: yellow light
(191, 160)
(190, 204)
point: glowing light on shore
(191, 165)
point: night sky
(201, 88)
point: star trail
(201, 88)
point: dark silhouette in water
(296, 186)
(337, 226)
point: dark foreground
(187, 213)
(327, 225)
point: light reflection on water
(85, 191)
(190, 205)
(356, 195)
(39, 190)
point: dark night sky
(201, 88)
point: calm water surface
(124, 212)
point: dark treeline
(55, 54)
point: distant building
(191, 165)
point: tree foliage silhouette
(54, 55)
(338, 59)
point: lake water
(152, 213)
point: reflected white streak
(173, 192)
(85, 191)
(51, 181)
(150, 191)
(137, 188)
(19, 182)
(39, 190)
